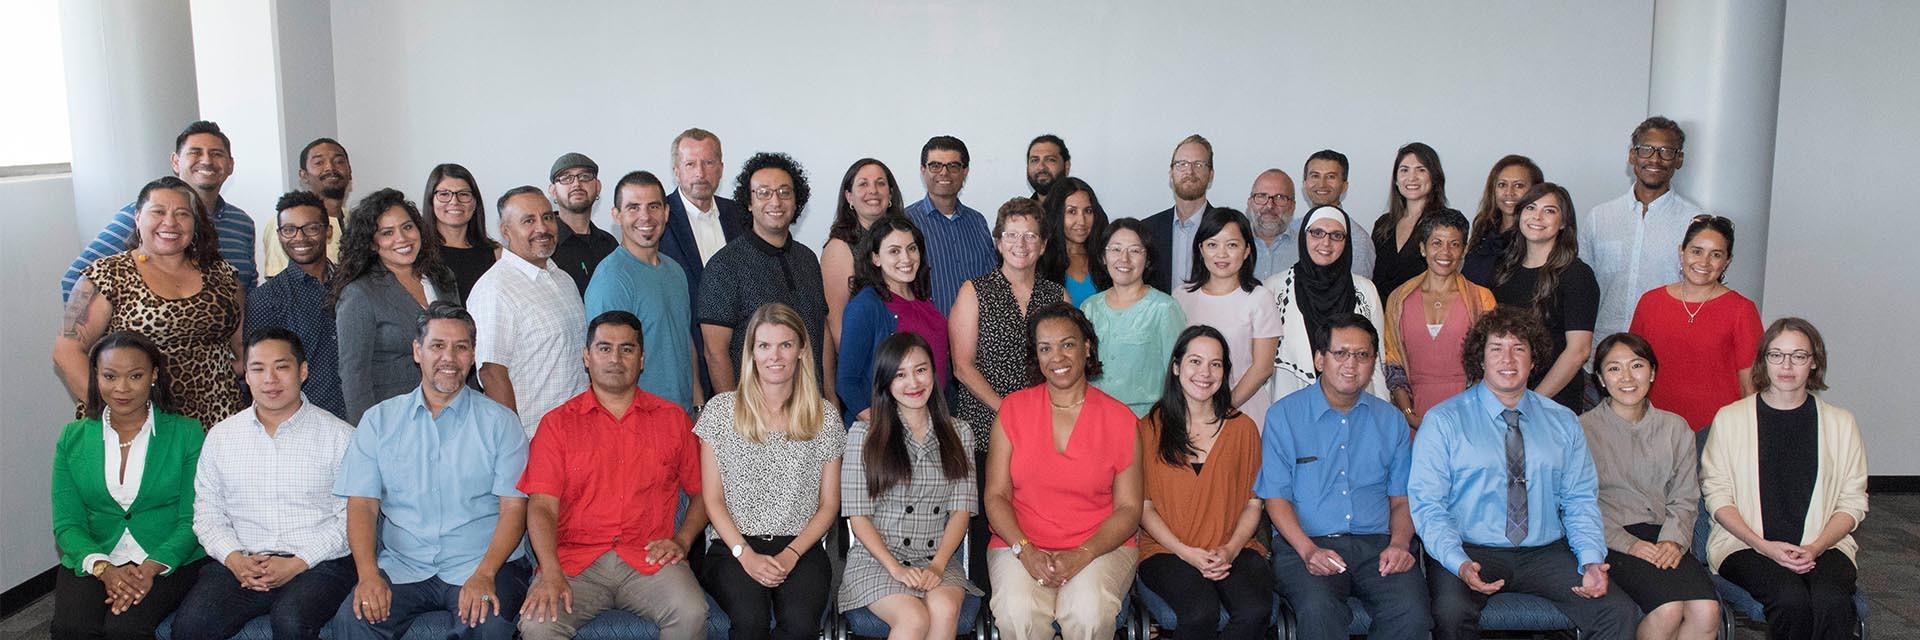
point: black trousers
(1815, 604)
(978, 531)
(792, 610)
(1548, 571)
(80, 611)
(1247, 594)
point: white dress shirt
(256, 493)
(707, 231)
(128, 550)
(1631, 253)
(531, 321)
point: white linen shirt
(127, 550)
(255, 493)
(531, 321)
(707, 232)
(1631, 253)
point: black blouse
(467, 265)
(1789, 453)
(1572, 307)
(1394, 267)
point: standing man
(203, 157)
(263, 505)
(699, 223)
(1047, 161)
(1190, 174)
(575, 186)
(636, 279)
(433, 518)
(1270, 204)
(528, 315)
(326, 172)
(603, 478)
(1325, 180)
(958, 248)
(1630, 240)
(763, 266)
(296, 298)
(1504, 493)
(1334, 478)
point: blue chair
(616, 624)
(1736, 600)
(428, 626)
(1161, 613)
(862, 621)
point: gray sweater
(375, 319)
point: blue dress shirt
(439, 481)
(1338, 469)
(1458, 487)
(958, 249)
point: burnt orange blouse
(1201, 507)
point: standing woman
(1223, 294)
(770, 466)
(172, 287)
(988, 324)
(1419, 188)
(1427, 320)
(1076, 225)
(387, 277)
(866, 194)
(1542, 271)
(123, 498)
(892, 282)
(1785, 477)
(1648, 468)
(1063, 492)
(459, 228)
(1320, 285)
(1701, 328)
(1137, 321)
(1510, 178)
(911, 454)
(1201, 458)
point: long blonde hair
(804, 408)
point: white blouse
(128, 550)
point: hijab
(1324, 291)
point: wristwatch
(99, 567)
(1017, 547)
(738, 549)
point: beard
(1040, 186)
(1191, 189)
(1267, 228)
(334, 193)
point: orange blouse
(1201, 508)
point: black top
(1394, 267)
(578, 254)
(1789, 458)
(1483, 258)
(1572, 307)
(749, 272)
(467, 265)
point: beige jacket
(1729, 475)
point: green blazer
(87, 520)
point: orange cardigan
(1479, 301)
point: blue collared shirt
(1338, 469)
(233, 227)
(958, 249)
(1279, 256)
(1182, 259)
(297, 302)
(1458, 486)
(439, 481)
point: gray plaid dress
(911, 516)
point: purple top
(919, 317)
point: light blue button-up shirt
(1338, 469)
(439, 481)
(958, 249)
(1458, 486)
(1181, 262)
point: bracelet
(796, 554)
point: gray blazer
(375, 319)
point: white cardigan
(1730, 475)
(1293, 364)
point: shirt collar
(567, 232)
(332, 270)
(761, 244)
(299, 415)
(1317, 404)
(106, 420)
(417, 402)
(521, 265)
(1490, 405)
(698, 211)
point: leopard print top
(193, 333)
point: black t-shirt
(1572, 307)
(1789, 453)
(577, 254)
(467, 264)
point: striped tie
(1516, 478)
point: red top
(1698, 360)
(619, 480)
(1061, 498)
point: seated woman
(1137, 321)
(1785, 477)
(1701, 328)
(1063, 492)
(908, 493)
(1427, 320)
(1198, 519)
(1648, 468)
(770, 476)
(891, 281)
(123, 498)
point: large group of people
(378, 411)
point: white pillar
(130, 90)
(1716, 71)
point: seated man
(1334, 478)
(431, 506)
(263, 505)
(604, 476)
(1504, 493)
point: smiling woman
(387, 276)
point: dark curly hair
(358, 259)
(846, 223)
(162, 395)
(865, 275)
(1662, 123)
(743, 191)
(1055, 265)
(1062, 311)
(1504, 320)
(204, 250)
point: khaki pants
(670, 598)
(1085, 607)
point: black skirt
(1650, 586)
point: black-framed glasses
(944, 167)
(311, 229)
(444, 196)
(1799, 358)
(1261, 199)
(571, 179)
(1191, 165)
(1666, 153)
(1323, 234)
(764, 194)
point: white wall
(33, 406)
(507, 87)
(1838, 253)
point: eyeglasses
(1323, 234)
(1191, 165)
(1129, 252)
(1666, 153)
(1350, 355)
(1023, 237)
(1799, 358)
(570, 179)
(1261, 199)
(944, 167)
(311, 229)
(764, 194)
(444, 196)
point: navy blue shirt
(297, 302)
(1338, 469)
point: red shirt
(1698, 359)
(619, 480)
(1061, 498)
